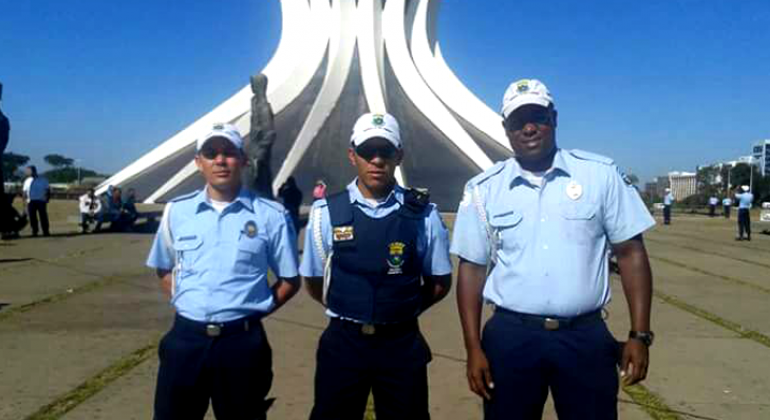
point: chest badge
(396, 257)
(250, 229)
(574, 190)
(342, 233)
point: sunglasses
(369, 151)
(211, 153)
(539, 117)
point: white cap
(525, 92)
(745, 188)
(371, 125)
(226, 131)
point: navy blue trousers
(392, 367)
(233, 371)
(578, 366)
(744, 223)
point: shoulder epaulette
(271, 204)
(416, 201)
(489, 173)
(184, 196)
(583, 155)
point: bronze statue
(261, 139)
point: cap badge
(523, 86)
(219, 126)
(574, 190)
(396, 257)
(342, 233)
(378, 120)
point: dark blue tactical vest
(375, 271)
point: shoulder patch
(583, 155)
(184, 196)
(489, 173)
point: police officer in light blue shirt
(376, 256)
(543, 222)
(212, 253)
(744, 200)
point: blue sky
(659, 85)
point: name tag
(342, 233)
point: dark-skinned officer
(544, 222)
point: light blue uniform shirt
(744, 200)
(432, 246)
(552, 243)
(222, 258)
(668, 199)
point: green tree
(68, 175)
(58, 161)
(11, 164)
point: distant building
(683, 184)
(761, 155)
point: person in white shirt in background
(37, 192)
(90, 210)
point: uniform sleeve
(625, 214)
(469, 238)
(282, 258)
(312, 263)
(436, 261)
(162, 251)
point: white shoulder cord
(168, 242)
(319, 246)
(491, 234)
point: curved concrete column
(443, 82)
(342, 45)
(418, 92)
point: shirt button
(542, 220)
(545, 247)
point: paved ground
(77, 310)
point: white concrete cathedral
(336, 60)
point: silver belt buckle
(551, 324)
(368, 329)
(213, 330)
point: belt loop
(246, 325)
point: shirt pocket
(250, 255)
(582, 223)
(507, 232)
(188, 250)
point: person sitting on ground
(13, 222)
(130, 214)
(90, 210)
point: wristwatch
(646, 337)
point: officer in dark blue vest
(376, 255)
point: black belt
(552, 323)
(217, 329)
(376, 329)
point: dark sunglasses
(369, 151)
(211, 153)
(539, 117)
